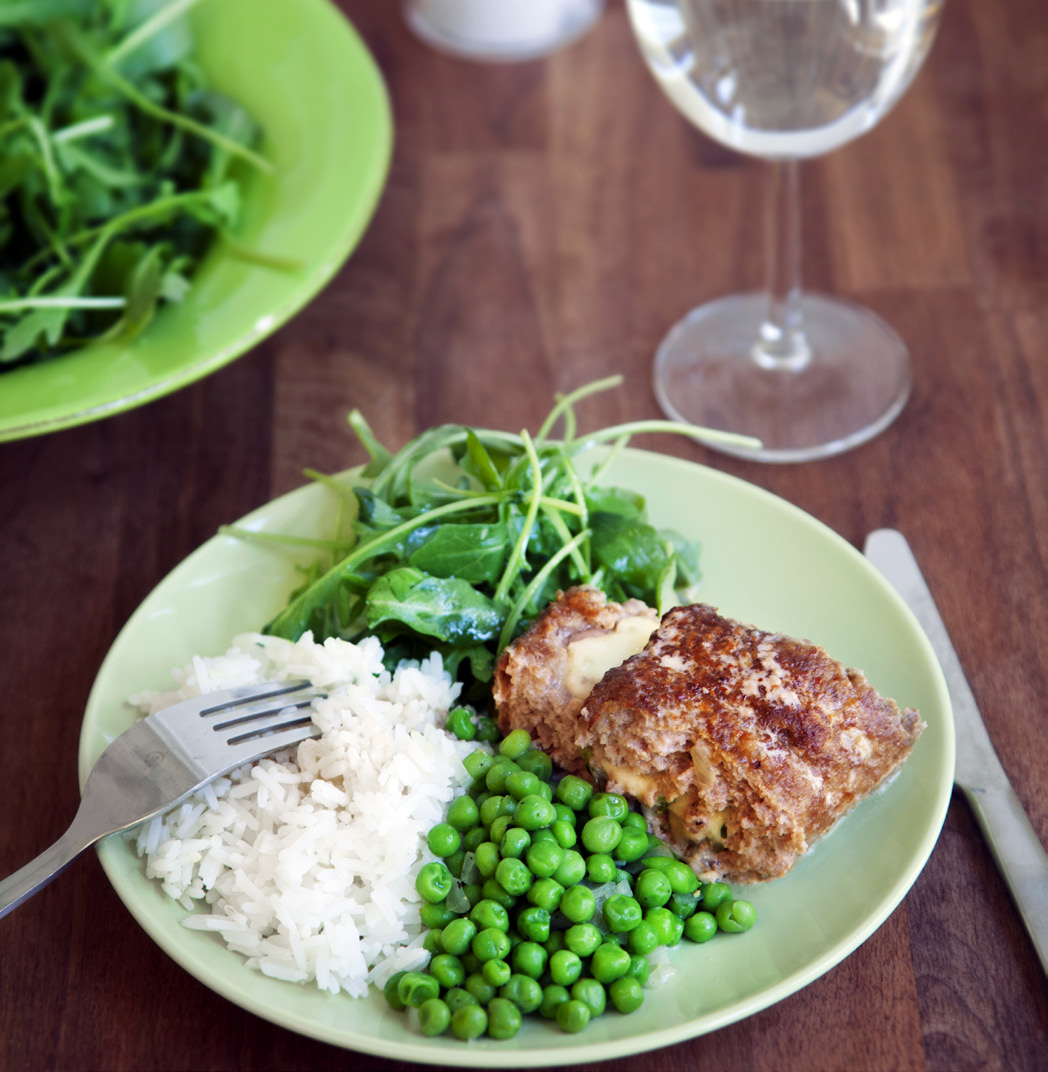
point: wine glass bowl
(784, 80)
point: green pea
(735, 916)
(469, 1022)
(609, 962)
(487, 730)
(491, 943)
(682, 904)
(488, 913)
(572, 869)
(390, 991)
(545, 834)
(573, 1016)
(515, 842)
(497, 830)
(480, 988)
(562, 811)
(513, 876)
(601, 834)
(652, 888)
(546, 893)
(536, 762)
(431, 943)
(582, 938)
(533, 923)
(504, 1019)
(544, 857)
(475, 835)
(668, 927)
(578, 904)
(613, 805)
(632, 845)
(643, 939)
(491, 809)
(553, 996)
(434, 882)
(493, 890)
(434, 1016)
(460, 723)
(600, 868)
(447, 969)
(455, 861)
(626, 994)
(521, 783)
(574, 791)
(640, 968)
(457, 936)
(515, 743)
(413, 988)
(457, 996)
(682, 878)
(635, 821)
(529, 958)
(443, 840)
(435, 915)
(622, 913)
(714, 894)
(591, 993)
(472, 892)
(700, 927)
(498, 772)
(486, 857)
(524, 991)
(477, 764)
(533, 812)
(564, 832)
(565, 967)
(555, 942)
(496, 971)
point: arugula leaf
(109, 136)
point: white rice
(305, 864)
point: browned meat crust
(747, 745)
(535, 686)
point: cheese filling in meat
(744, 746)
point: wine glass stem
(782, 343)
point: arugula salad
(117, 169)
(458, 540)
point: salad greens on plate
(456, 542)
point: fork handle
(51, 862)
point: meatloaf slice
(543, 678)
(745, 745)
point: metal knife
(1014, 842)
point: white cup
(501, 29)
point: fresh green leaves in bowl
(115, 169)
(303, 74)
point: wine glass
(808, 375)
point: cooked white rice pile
(306, 862)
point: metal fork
(163, 759)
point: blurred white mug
(501, 29)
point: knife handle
(1020, 857)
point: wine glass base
(854, 383)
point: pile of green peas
(520, 855)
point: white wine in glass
(808, 375)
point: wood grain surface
(543, 224)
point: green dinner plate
(302, 71)
(764, 562)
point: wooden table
(543, 224)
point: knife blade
(979, 775)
